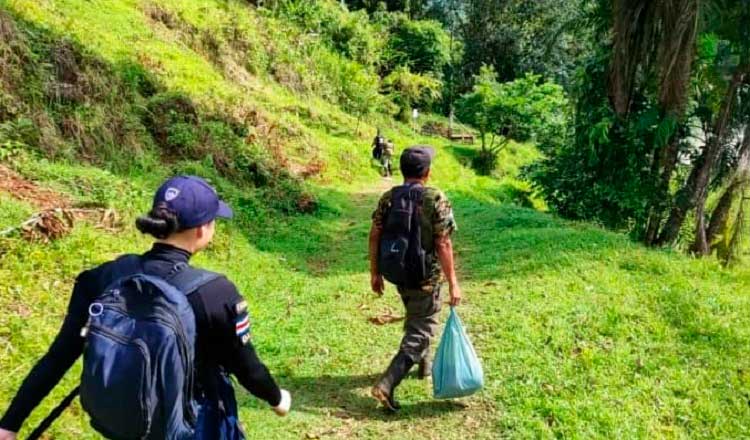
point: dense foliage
(659, 145)
(409, 89)
(422, 46)
(523, 109)
(652, 141)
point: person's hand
(7, 435)
(377, 284)
(283, 407)
(455, 295)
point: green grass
(582, 333)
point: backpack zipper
(188, 386)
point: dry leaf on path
(385, 318)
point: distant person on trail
(382, 151)
(159, 337)
(378, 145)
(387, 157)
(410, 240)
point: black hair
(161, 222)
(414, 172)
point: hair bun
(160, 222)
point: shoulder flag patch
(242, 327)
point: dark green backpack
(401, 259)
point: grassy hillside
(582, 333)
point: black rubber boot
(384, 390)
(425, 367)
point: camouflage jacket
(437, 221)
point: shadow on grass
(330, 242)
(347, 397)
(463, 154)
(493, 239)
(500, 240)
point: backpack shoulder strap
(418, 190)
(53, 415)
(415, 191)
(189, 279)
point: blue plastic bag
(456, 371)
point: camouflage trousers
(385, 163)
(421, 323)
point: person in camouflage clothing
(387, 157)
(422, 304)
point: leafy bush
(21, 130)
(350, 34)
(572, 177)
(138, 79)
(477, 108)
(335, 57)
(307, 14)
(484, 162)
(522, 109)
(409, 89)
(421, 45)
(171, 118)
(340, 53)
(348, 83)
(528, 108)
(353, 36)
(359, 93)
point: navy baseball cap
(193, 200)
(417, 159)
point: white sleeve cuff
(286, 402)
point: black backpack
(401, 259)
(377, 150)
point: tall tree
(654, 39)
(733, 19)
(635, 143)
(737, 182)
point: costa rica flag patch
(242, 327)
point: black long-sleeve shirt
(217, 306)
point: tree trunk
(632, 37)
(700, 242)
(690, 194)
(665, 167)
(739, 223)
(720, 214)
(669, 29)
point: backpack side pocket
(116, 384)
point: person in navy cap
(410, 245)
(182, 221)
